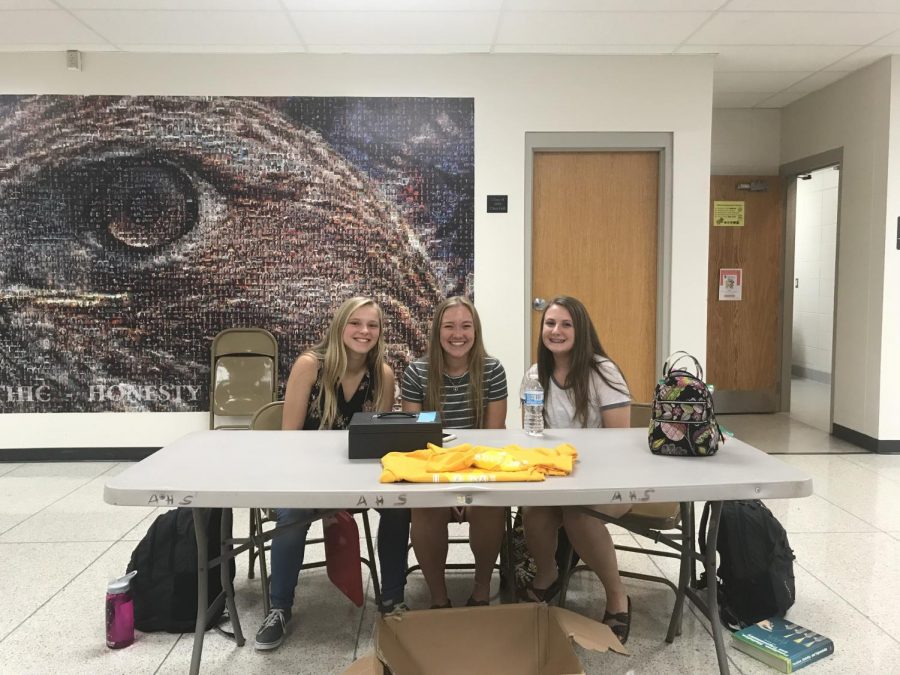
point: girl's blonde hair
(433, 395)
(332, 353)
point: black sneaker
(271, 634)
(393, 608)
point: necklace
(456, 382)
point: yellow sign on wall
(728, 214)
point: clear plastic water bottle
(119, 613)
(534, 407)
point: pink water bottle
(119, 613)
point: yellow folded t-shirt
(466, 463)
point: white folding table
(310, 469)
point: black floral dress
(363, 400)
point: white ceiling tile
(723, 99)
(393, 5)
(395, 28)
(757, 28)
(535, 28)
(812, 6)
(816, 81)
(178, 5)
(771, 81)
(55, 47)
(609, 50)
(27, 4)
(776, 57)
(613, 5)
(807, 86)
(780, 99)
(215, 49)
(892, 40)
(191, 28)
(399, 49)
(862, 58)
(57, 28)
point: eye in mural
(133, 229)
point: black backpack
(165, 586)
(756, 569)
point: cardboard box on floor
(521, 639)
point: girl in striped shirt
(468, 387)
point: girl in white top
(582, 388)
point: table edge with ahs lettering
(311, 469)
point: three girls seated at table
(347, 373)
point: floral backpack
(683, 421)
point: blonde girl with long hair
(343, 374)
(468, 387)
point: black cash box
(373, 435)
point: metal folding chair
(243, 375)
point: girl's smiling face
(457, 331)
(362, 330)
(558, 331)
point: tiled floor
(60, 544)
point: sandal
(620, 623)
(534, 594)
(472, 602)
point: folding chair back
(268, 418)
(243, 375)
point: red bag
(342, 560)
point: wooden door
(743, 353)
(594, 236)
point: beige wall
(889, 398)
(855, 114)
(513, 95)
(746, 142)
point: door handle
(539, 304)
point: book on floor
(782, 644)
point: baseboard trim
(733, 402)
(75, 454)
(811, 374)
(864, 440)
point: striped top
(457, 413)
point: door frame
(788, 173)
(602, 141)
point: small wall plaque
(730, 283)
(497, 203)
(728, 214)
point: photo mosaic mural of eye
(140, 203)
(132, 229)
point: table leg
(712, 586)
(202, 590)
(373, 565)
(684, 571)
(508, 575)
(225, 558)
